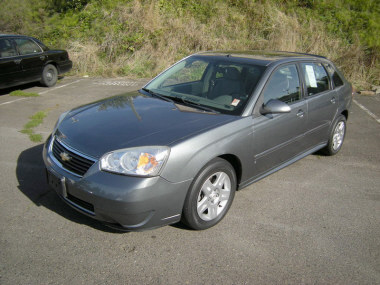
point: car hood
(131, 120)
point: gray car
(179, 148)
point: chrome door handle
(17, 61)
(333, 100)
(300, 113)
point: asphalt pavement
(314, 222)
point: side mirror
(275, 106)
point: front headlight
(141, 161)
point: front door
(279, 137)
(10, 68)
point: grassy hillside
(141, 37)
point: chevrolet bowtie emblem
(65, 156)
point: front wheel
(210, 195)
(49, 75)
(336, 137)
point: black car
(25, 59)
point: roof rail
(304, 53)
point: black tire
(49, 75)
(217, 201)
(337, 135)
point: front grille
(75, 162)
(80, 203)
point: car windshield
(208, 83)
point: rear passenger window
(27, 46)
(335, 76)
(316, 78)
(6, 48)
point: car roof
(17, 36)
(261, 57)
(11, 35)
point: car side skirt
(286, 163)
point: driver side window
(6, 48)
(283, 85)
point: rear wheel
(337, 136)
(210, 195)
(49, 75)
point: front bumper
(124, 202)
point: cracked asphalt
(314, 222)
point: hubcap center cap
(214, 198)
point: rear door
(10, 68)
(32, 59)
(322, 102)
(279, 137)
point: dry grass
(85, 57)
(151, 39)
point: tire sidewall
(190, 214)
(330, 148)
(45, 81)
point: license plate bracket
(57, 183)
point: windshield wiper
(180, 100)
(197, 105)
(157, 95)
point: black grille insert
(70, 160)
(81, 203)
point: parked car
(178, 148)
(25, 59)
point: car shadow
(8, 90)
(181, 226)
(31, 176)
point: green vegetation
(141, 37)
(23, 94)
(34, 121)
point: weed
(35, 137)
(27, 131)
(23, 94)
(35, 120)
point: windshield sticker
(311, 76)
(235, 102)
